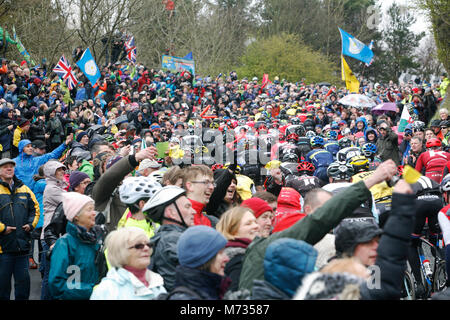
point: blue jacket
(73, 272)
(38, 190)
(27, 165)
(286, 262)
(120, 284)
(18, 207)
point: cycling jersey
(433, 162)
(321, 159)
(332, 146)
(381, 192)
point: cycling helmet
(310, 134)
(346, 131)
(306, 168)
(359, 163)
(292, 136)
(154, 208)
(433, 142)
(340, 171)
(295, 121)
(332, 135)
(156, 176)
(134, 189)
(344, 155)
(316, 141)
(369, 149)
(289, 157)
(418, 126)
(445, 183)
(344, 143)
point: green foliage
(287, 57)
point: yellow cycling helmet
(359, 163)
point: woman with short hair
(129, 252)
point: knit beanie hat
(73, 202)
(76, 177)
(258, 206)
(81, 135)
(199, 244)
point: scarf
(199, 217)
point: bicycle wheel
(408, 289)
(439, 276)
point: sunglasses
(141, 246)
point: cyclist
(381, 192)
(369, 150)
(432, 162)
(332, 144)
(428, 204)
(305, 180)
(135, 192)
(320, 158)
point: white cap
(147, 163)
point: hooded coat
(53, 191)
(27, 165)
(286, 262)
(7, 136)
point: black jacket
(222, 178)
(207, 285)
(393, 250)
(57, 226)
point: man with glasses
(199, 185)
(387, 143)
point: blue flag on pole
(89, 67)
(354, 48)
(189, 56)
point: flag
(370, 47)
(189, 56)
(354, 48)
(404, 119)
(130, 48)
(64, 71)
(265, 81)
(351, 82)
(22, 49)
(89, 67)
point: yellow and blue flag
(354, 48)
(89, 67)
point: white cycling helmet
(154, 208)
(445, 183)
(156, 176)
(134, 189)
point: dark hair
(40, 174)
(266, 196)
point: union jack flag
(130, 47)
(64, 71)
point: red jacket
(199, 217)
(433, 162)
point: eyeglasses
(141, 246)
(207, 182)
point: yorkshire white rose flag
(354, 48)
(89, 67)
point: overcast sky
(421, 24)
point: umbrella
(357, 100)
(385, 107)
(326, 84)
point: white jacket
(120, 284)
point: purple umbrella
(385, 107)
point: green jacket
(388, 147)
(310, 229)
(87, 168)
(443, 86)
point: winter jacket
(53, 193)
(165, 257)
(388, 147)
(263, 290)
(105, 188)
(393, 249)
(207, 285)
(120, 284)
(56, 227)
(222, 178)
(27, 165)
(7, 136)
(80, 151)
(18, 207)
(235, 250)
(310, 229)
(38, 190)
(87, 168)
(74, 254)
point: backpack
(181, 289)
